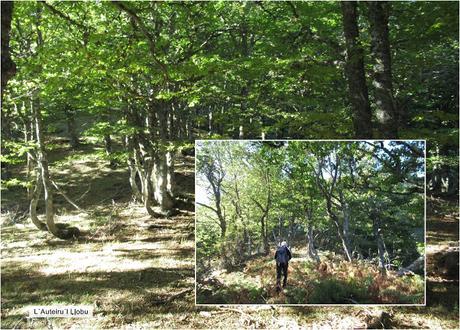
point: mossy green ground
(130, 267)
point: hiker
(282, 257)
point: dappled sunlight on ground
(138, 272)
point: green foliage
(275, 190)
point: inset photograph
(310, 222)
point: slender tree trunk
(210, 126)
(346, 224)
(34, 201)
(71, 128)
(170, 181)
(386, 108)
(312, 253)
(147, 185)
(380, 243)
(264, 234)
(109, 149)
(358, 93)
(133, 171)
(340, 231)
(28, 136)
(42, 163)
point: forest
(350, 201)
(102, 102)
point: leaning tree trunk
(340, 231)
(42, 163)
(312, 253)
(386, 109)
(354, 70)
(34, 201)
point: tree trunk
(346, 225)
(42, 163)
(29, 136)
(133, 171)
(340, 231)
(210, 126)
(170, 182)
(8, 66)
(34, 201)
(161, 193)
(164, 165)
(358, 93)
(71, 128)
(263, 232)
(109, 149)
(312, 253)
(147, 185)
(380, 244)
(386, 109)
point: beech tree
(144, 79)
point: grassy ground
(138, 272)
(333, 281)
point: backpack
(282, 255)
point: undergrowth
(310, 283)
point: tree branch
(145, 31)
(207, 206)
(62, 15)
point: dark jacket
(283, 255)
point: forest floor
(332, 281)
(138, 272)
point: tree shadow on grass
(143, 254)
(21, 288)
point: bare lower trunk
(170, 176)
(312, 253)
(161, 194)
(380, 243)
(34, 201)
(72, 130)
(42, 163)
(146, 186)
(133, 171)
(264, 234)
(342, 234)
(108, 149)
(210, 126)
(28, 135)
(346, 226)
(132, 181)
